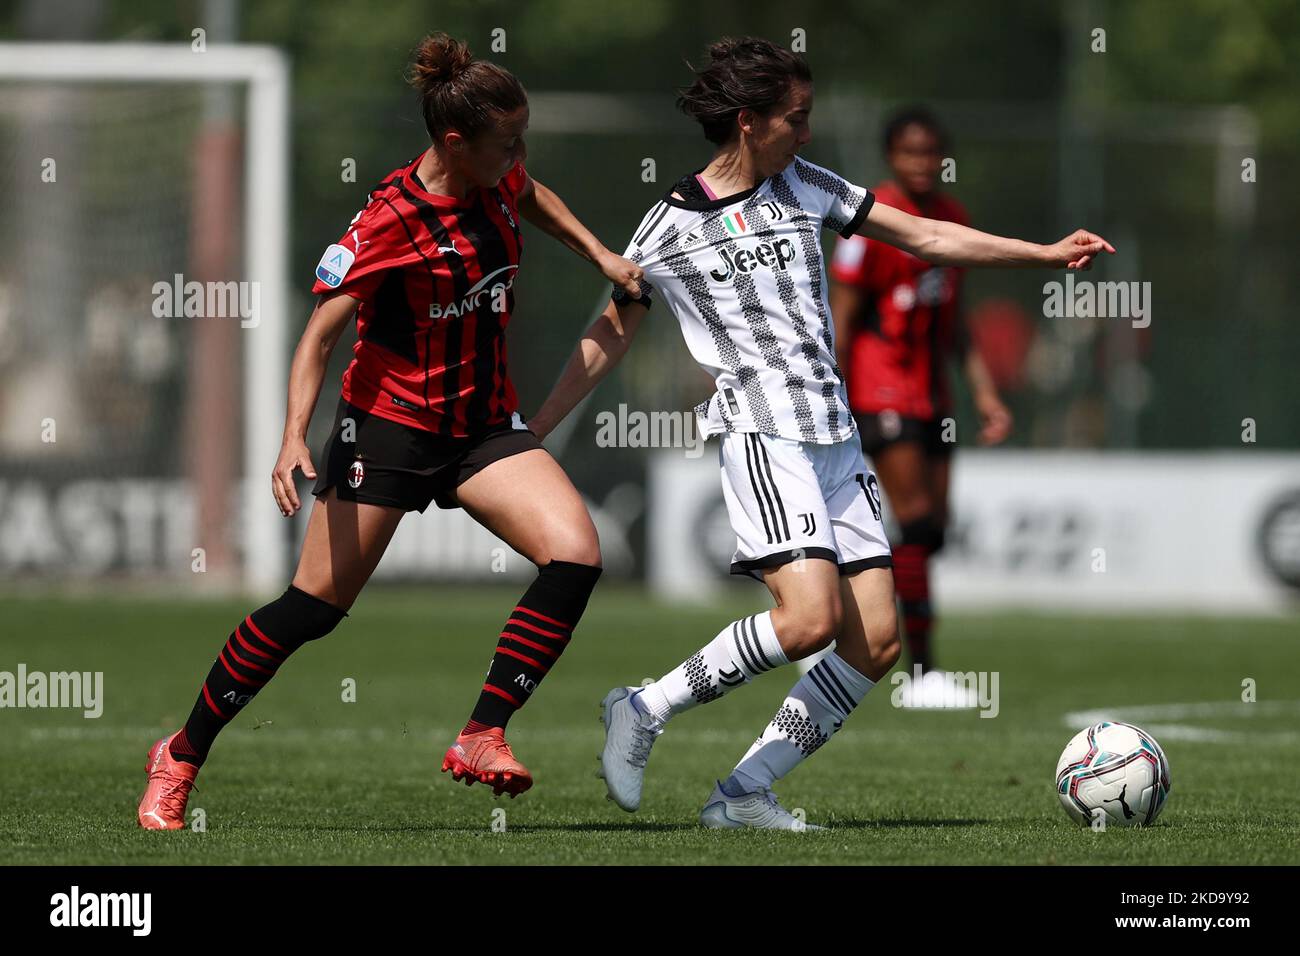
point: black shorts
(878, 430)
(388, 463)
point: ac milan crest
(356, 474)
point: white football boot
(629, 735)
(757, 811)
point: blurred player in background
(733, 251)
(427, 414)
(898, 323)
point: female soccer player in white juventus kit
(734, 252)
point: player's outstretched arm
(547, 211)
(326, 325)
(951, 244)
(601, 348)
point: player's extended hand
(1077, 250)
(995, 419)
(622, 272)
(293, 455)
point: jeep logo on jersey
(772, 255)
(473, 299)
(334, 265)
(356, 474)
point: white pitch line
(1167, 720)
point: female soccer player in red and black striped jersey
(427, 413)
(898, 323)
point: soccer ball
(1113, 773)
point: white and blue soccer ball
(1113, 774)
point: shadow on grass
(640, 826)
(475, 829)
(854, 823)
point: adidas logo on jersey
(771, 255)
(690, 241)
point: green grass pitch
(303, 777)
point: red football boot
(485, 756)
(163, 805)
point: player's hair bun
(724, 49)
(458, 92)
(438, 59)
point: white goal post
(264, 71)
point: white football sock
(743, 650)
(818, 704)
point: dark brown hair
(458, 92)
(912, 116)
(746, 73)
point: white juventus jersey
(744, 276)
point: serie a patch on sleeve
(334, 265)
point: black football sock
(251, 656)
(532, 641)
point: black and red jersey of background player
(910, 319)
(433, 277)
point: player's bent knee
(883, 642)
(886, 655)
(810, 630)
(587, 551)
(580, 548)
(296, 617)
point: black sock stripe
(512, 627)
(744, 637)
(829, 692)
(775, 490)
(830, 673)
(751, 641)
(831, 698)
(736, 634)
(277, 656)
(758, 644)
(233, 648)
(757, 495)
(546, 657)
(746, 654)
(542, 621)
(822, 675)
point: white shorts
(790, 500)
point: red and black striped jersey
(433, 277)
(910, 323)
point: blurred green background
(1139, 143)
